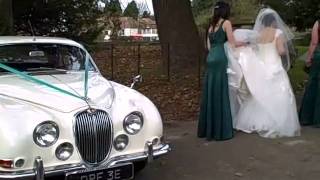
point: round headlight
(133, 123)
(64, 151)
(121, 142)
(46, 134)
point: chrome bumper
(39, 172)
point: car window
(27, 57)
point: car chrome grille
(93, 134)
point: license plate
(112, 173)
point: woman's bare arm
(208, 40)
(314, 42)
(280, 45)
(208, 44)
(227, 26)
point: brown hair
(221, 10)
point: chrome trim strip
(164, 149)
(30, 174)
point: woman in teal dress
(215, 121)
(310, 108)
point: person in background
(310, 108)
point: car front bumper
(40, 173)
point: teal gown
(310, 108)
(215, 121)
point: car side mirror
(136, 79)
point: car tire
(139, 166)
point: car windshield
(43, 57)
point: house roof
(129, 22)
(148, 22)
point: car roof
(37, 39)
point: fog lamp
(121, 142)
(64, 151)
(19, 163)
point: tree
(113, 13)
(6, 18)
(146, 14)
(243, 11)
(132, 10)
(68, 18)
(202, 11)
(177, 28)
(199, 6)
(297, 13)
(113, 8)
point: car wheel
(138, 166)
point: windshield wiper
(45, 70)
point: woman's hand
(240, 43)
(308, 62)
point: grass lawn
(296, 74)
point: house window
(122, 32)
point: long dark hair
(220, 10)
(268, 20)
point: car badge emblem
(91, 111)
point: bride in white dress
(260, 91)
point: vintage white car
(60, 119)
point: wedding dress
(261, 96)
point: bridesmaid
(215, 120)
(310, 109)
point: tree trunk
(6, 17)
(177, 28)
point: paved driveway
(247, 157)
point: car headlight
(46, 134)
(133, 123)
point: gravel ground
(247, 157)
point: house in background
(129, 28)
(141, 29)
(149, 29)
